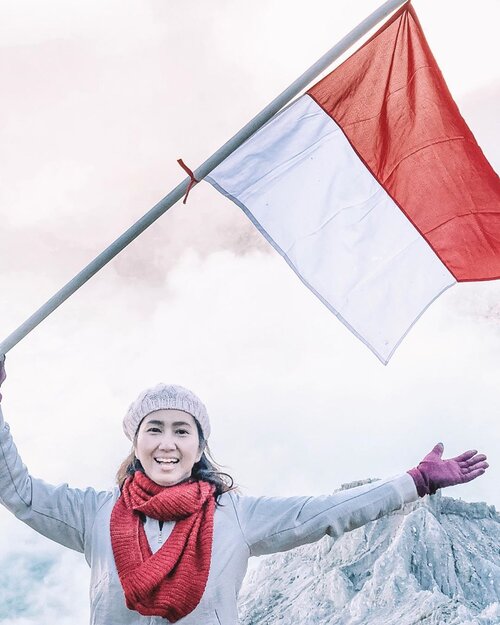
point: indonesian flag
(372, 187)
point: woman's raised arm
(63, 514)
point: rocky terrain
(434, 562)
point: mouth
(166, 461)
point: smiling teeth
(166, 460)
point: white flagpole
(203, 170)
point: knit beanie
(165, 396)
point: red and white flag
(372, 187)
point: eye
(153, 429)
(182, 431)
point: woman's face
(168, 446)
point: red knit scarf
(171, 582)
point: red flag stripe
(393, 105)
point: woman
(172, 542)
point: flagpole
(203, 170)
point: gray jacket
(243, 527)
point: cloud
(42, 583)
(280, 374)
(479, 110)
(99, 102)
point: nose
(167, 443)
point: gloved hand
(3, 375)
(434, 472)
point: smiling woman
(168, 446)
(172, 542)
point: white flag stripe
(302, 184)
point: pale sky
(99, 99)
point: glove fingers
(475, 467)
(467, 455)
(472, 461)
(473, 474)
(437, 450)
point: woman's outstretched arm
(271, 524)
(63, 514)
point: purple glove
(434, 472)
(3, 375)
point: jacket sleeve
(63, 514)
(272, 524)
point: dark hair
(206, 469)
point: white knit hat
(165, 396)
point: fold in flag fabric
(372, 187)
